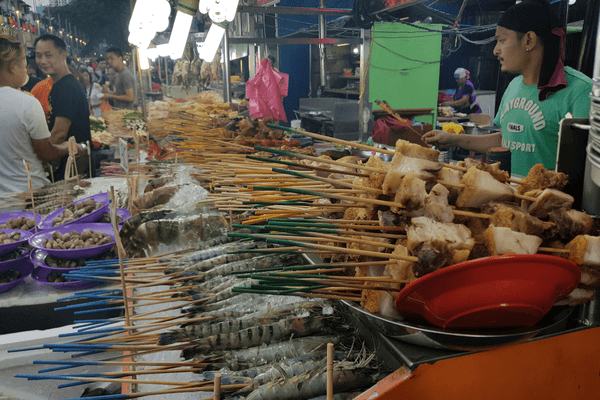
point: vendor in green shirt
(531, 44)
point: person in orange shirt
(41, 91)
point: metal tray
(448, 339)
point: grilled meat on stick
(481, 188)
(548, 201)
(570, 223)
(501, 240)
(410, 157)
(513, 217)
(540, 178)
(437, 244)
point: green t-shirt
(530, 127)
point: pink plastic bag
(266, 92)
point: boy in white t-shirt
(24, 133)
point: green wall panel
(405, 66)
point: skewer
(366, 200)
(313, 167)
(360, 146)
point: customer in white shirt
(24, 133)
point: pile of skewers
(375, 225)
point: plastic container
(499, 154)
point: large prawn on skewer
(154, 228)
(224, 326)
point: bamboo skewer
(359, 145)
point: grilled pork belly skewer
(501, 240)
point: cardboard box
(480, 119)
(411, 134)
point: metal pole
(596, 73)
(364, 113)
(322, 34)
(166, 76)
(251, 49)
(276, 17)
(150, 80)
(310, 73)
(159, 68)
(226, 71)
(136, 62)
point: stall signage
(124, 155)
(267, 2)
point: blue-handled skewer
(82, 305)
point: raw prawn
(249, 265)
(339, 396)
(220, 327)
(295, 366)
(213, 252)
(306, 386)
(205, 265)
(263, 334)
(260, 355)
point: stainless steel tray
(447, 339)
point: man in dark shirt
(69, 113)
(33, 79)
(100, 75)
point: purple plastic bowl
(37, 241)
(23, 265)
(16, 261)
(94, 216)
(4, 217)
(40, 274)
(123, 213)
(6, 248)
(38, 258)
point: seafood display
(9, 275)
(55, 262)
(10, 237)
(21, 223)
(13, 255)
(238, 298)
(75, 240)
(76, 210)
(55, 277)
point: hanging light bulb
(143, 54)
(219, 10)
(212, 41)
(148, 17)
(186, 11)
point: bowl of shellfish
(123, 215)
(57, 280)
(42, 259)
(21, 220)
(14, 268)
(89, 209)
(11, 239)
(75, 241)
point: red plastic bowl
(491, 292)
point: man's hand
(81, 150)
(106, 90)
(440, 138)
